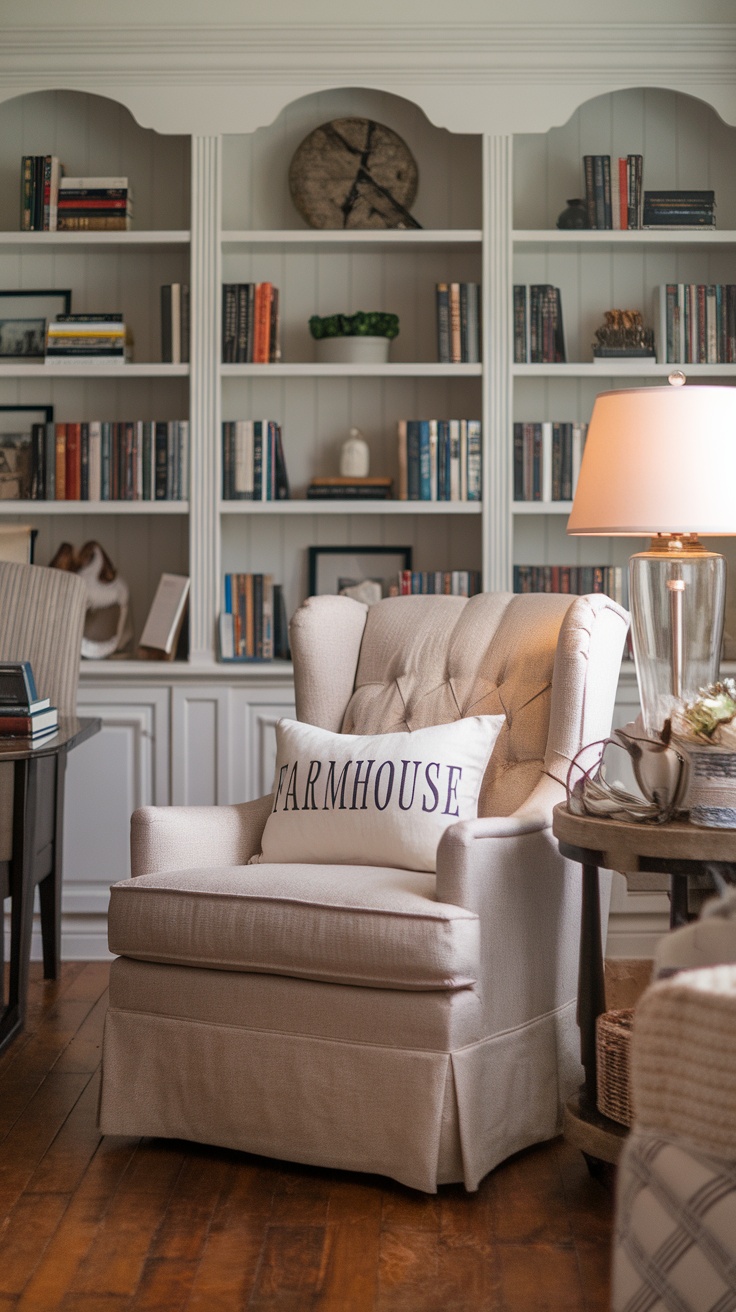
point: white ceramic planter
(353, 350)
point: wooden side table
(38, 835)
(690, 857)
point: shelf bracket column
(204, 405)
(497, 343)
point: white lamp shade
(659, 460)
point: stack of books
(679, 209)
(547, 460)
(613, 193)
(538, 333)
(458, 323)
(23, 714)
(140, 460)
(87, 337)
(439, 459)
(175, 323)
(696, 323)
(341, 487)
(251, 331)
(253, 464)
(39, 193)
(576, 579)
(253, 624)
(449, 583)
(95, 205)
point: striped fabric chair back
(41, 621)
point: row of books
(252, 625)
(87, 337)
(450, 583)
(175, 323)
(679, 209)
(23, 714)
(458, 323)
(538, 331)
(439, 459)
(547, 460)
(613, 192)
(251, 330)
(696, 323)
(575, 579)
(50, 202)
(141, 460)
(253, 464)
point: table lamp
(660, 462)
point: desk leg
(49, 889)
(591, 981)
(25, 781)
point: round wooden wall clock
(354, 173)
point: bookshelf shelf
(62, 369)
(317, 508)
(138, 242)
(302, 369)
(541, 507)
(330, 240)
(583, 238)
(621, 369)
(24, 508)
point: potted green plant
(361, 338)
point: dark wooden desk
(38, 831)
(690, 857)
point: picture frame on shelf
(24, 316)
(332, 570)
(16, 456)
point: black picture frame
(24, 316)
(328, 564)
(16, 452)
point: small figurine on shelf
(574, 216)
(623, 334)
(355, 456)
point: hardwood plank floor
(121, 1225)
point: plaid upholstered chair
(41, 621)
(414, 1022)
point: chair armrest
(509, 871)
(184, 837)
(471, 850)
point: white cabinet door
(123, 767)
(200, 744)
(253, 758)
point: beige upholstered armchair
(416, 1025)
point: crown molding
(234, 77)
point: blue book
(229, 594)
(412, 459)
(425, 462)
(474, 459)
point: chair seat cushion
(382, 929)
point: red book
(623, 192)
(60, 471)
(99, 203)
(262, 329)
(73, 462)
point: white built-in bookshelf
(216, 210)
(213, 208)
(685, 144)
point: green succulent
(373, 324)
(712, 707)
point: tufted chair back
(408, 662)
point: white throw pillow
(374, 799)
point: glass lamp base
(677, 594)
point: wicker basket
(612, 1049)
